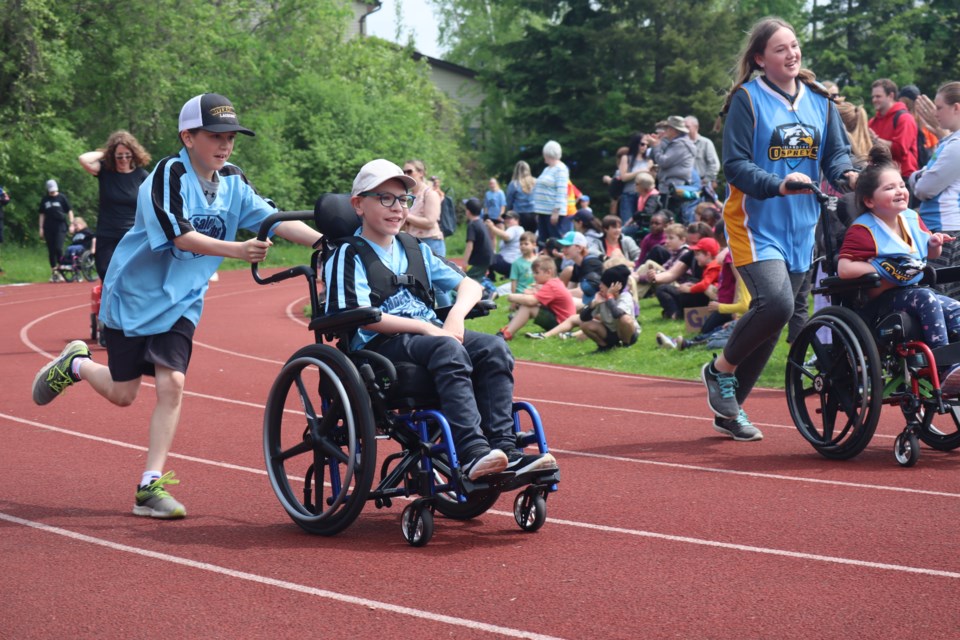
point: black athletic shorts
(132, 357)
(612, 338)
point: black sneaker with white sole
(739, 428)
(521, 463)
(486, 464)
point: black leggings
(55, 238)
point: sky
(417, 18)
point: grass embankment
(29, 264)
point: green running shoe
(54, 377)
(154, 501)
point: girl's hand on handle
(794, 178)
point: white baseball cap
(52, 186)
(376, 172)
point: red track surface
(661, 528)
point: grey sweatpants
(773, 291)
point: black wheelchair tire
(844, 378)
(318, 416)
(478, 502)
(937, 439)
(88, 266)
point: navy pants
(474, 382)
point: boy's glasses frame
(387, 200)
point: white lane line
(605, 528)
(281, 584)
(751, 549)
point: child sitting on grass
(521, 270)
(548, 302)
(609, 320)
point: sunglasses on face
(409, 172)
(123, 156)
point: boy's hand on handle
(254, 250)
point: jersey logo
(210, 226)
(794, 143)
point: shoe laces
(727, 383)
(58, 379)
(743, 420)
(157, 486)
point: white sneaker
(666, 341)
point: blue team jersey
(151, 283)
(348, 288)
(788, 137)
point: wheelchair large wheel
(88, 266)
(834, 383)
(319, 440)
(945, 434)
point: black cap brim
(226, 128)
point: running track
(661, 528)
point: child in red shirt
(548, 301)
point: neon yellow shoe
(54, 377)
(156, 502)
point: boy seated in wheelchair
(890, 239)
(472, 372)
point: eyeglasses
(409, 172)
(123, 156)
(388, 199)
(834, 96)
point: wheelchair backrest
(334, 216)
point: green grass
(29, 264)
(644, 357)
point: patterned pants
(939, 315)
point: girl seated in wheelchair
(472, 372)
(890, 239)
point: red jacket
(711, 275)
(904, 138)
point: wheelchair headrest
(334, 217)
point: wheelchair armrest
(482, 308)
(945, 274)
(348, 320)
(836, 284)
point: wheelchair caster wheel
(416, 523)
(906, 448)
(530, 510)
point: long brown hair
(746, 65)
(140, 156)
(855, 122)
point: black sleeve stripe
(350, 278)
(177, 170)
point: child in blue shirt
(188, 213)
(473, 372)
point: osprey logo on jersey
(794, 143)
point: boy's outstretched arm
(296, 231)
(252, 250)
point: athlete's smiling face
(781, 58)
(890, 197)
(209, 150)
(380, 223)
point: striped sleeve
(346, 280)
(167, 199)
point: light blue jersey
(348, 288)
(788, 136)
(938, 185)
(151, 284)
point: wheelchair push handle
(265, 226)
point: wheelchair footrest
(494, 481)
(547, 477)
